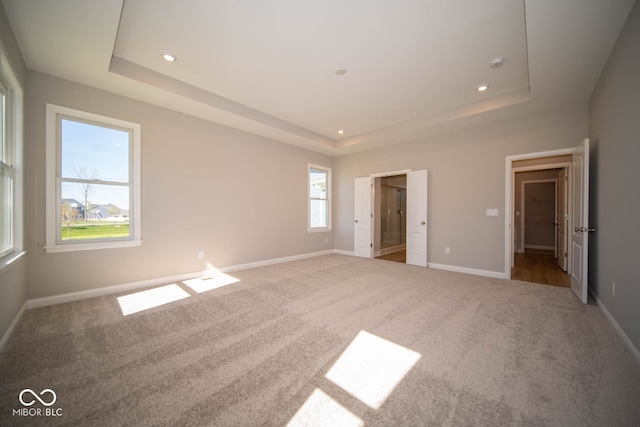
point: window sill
(74, 247)
(8, 262)
(319, 230)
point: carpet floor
(332, 340)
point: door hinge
(371, 244)
(371, 215)
(566, 254)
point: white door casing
(362, 246)
(510, 192)
(417, 218)
(563, 219)
(580, 232)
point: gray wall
(466, 177)
(614, 128)
(13, 285)
(238, 197)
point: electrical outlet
(446, 249)
(200, 254)
(613, 288)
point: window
(7, 179)
(319, 198)
(93, 175)
(10, 166)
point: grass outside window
(93, 230)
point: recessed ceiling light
(169, 57)
(483, 87)
(341, 132)
(341, 71)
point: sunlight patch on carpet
(144, 300)
(207, 283)
(321, 410)
(371, 368)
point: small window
(93, 169)
(319, 198)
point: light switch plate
(492, 212)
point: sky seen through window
(95, 152)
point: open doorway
(577, 225)
(540, 208)
(390, 218)
(365, 216)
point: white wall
(466, 177)
(614, 129)
(238, 197)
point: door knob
(356, 221)
(592, 230)
(422, 223)
(578, 229)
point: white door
(562, 219)
(580, 232)
(417, 218)
(362, 244)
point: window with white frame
(11, 188)
(319, 198)
(7, 177)
(93, 181)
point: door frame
(376, 194)
(377, 225)
(509, 217)
(372, 176)
(564, 220)
(523, 211)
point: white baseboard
(273, 261)
(475, 271)
(108, 290)
(12, 327)
(341, 252)
(632, 349)
(546, 248)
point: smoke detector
(497, 62)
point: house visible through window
(93, 190)
(319, 198)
